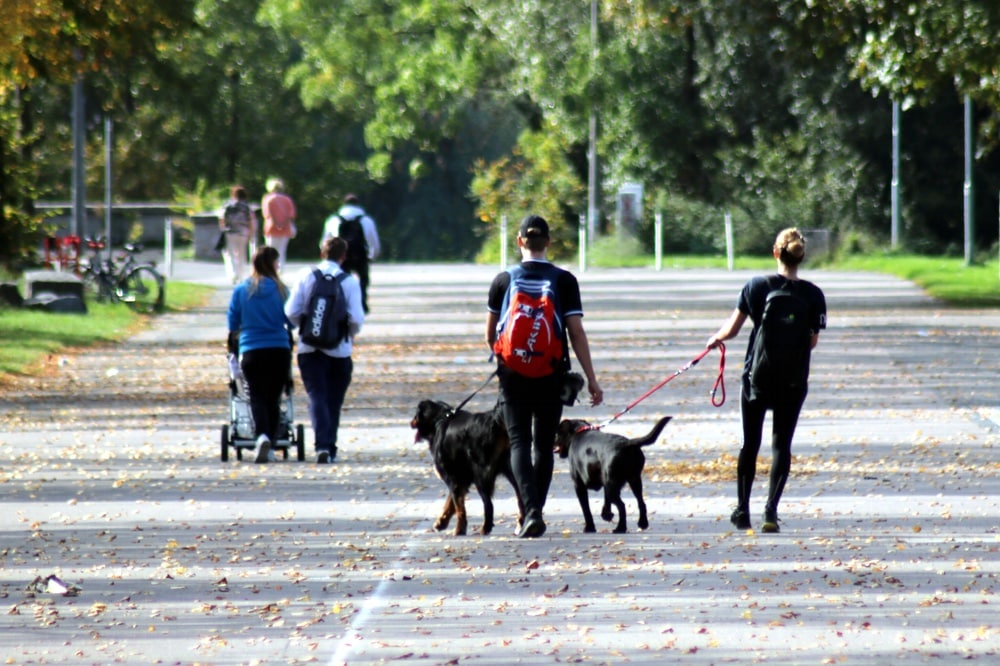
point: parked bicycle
(125, 280)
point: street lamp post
(592, 149)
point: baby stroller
(238, 434)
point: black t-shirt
(754, 295)
(567, 288)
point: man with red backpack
(534, 310)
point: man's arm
(371, 237)
(295, 304)
(491, 328)
(581, 348)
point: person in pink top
(278, 210)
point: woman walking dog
(787, 314)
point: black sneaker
(323, 457)
(741, 519)
(770, 524)
(533, 527)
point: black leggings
(785, 411)
(531, 410)
(267, 372)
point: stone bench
(55, 291)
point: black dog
(604, 460)
(468, 448)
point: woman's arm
(728, 330)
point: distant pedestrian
(531, 403)
(356, 227)
(326, 373)
(259, 334)
(239, 224)
(279, 214)
(788, 314)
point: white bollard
(503, 242)
(168, 247)
(729, 241)
(658, 240)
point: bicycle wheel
(142, 289)
(95, 286)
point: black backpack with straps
(780, 359)
(236, 217)
(353, 232)
(324, 324)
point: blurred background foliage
(445, 115)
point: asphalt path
(111, 481)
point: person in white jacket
(326, 373)
(358, 228)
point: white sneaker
(264, 453)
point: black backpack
(236, 217)
(780, 359)
(352, 232)
(324, 323)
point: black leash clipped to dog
(473, 395)
(719, 387)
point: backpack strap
(320, 275)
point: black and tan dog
(605, 460)
(468, 448)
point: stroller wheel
(300, 442)
(225, 443)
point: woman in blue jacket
(259, 331)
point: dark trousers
(326, 379)
(531, 410)
(785, 411)
(359, 267)
(267, 373)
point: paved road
(111, 480)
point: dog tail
(653, 434)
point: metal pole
(592, 140)
(107, 180)
(967, 189)
(582, 242)
(78, 220)
(895, 175)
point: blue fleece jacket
(259, 316)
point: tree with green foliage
(48, 42)
(445, 114)
(928, 56)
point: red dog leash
(719, 387)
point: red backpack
(530, 336)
